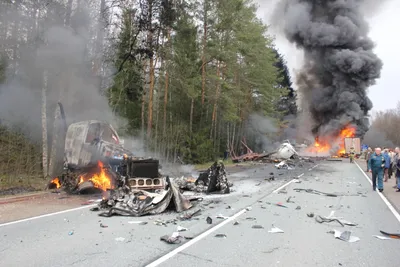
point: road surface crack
(271, 250)
(78, 261)
(205, 259)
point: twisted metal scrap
(313, 191)
(321, 219)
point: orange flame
(325, 146)
(100, 180)
(56, 181)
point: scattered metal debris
(181, 229)
(188, 216)
(280, 205)
(249, 208)
(312, 191)
(395, 236)
(382, 237)
(257, 226)
(70, 232)
(275, 230)
(132, 202)
(213, 180)
(289, 200)
(103, 225)
(331, 218)
(120, 239)
(209, 220)
(175, 238)
(138, 222)
(220, 216)
(236, 223)
(345, 236)
(311, 214)
(271, 250)
(221, 235)
(298, 208)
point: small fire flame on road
(56, 182)
(325, 146)
(100, 180)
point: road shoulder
(389, 192)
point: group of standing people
(383, 164)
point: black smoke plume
(339, 64)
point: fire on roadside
(323, 146)
(101, 180)
(56, 182)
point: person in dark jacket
(369, 154)
(378, 163)
(398, 173)
(386, 169)
(395, 170)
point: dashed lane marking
(209, 231)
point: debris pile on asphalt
(214, 180)
(285, 157)
(126, 201)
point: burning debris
(339, 66)
(94, 177)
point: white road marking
(209, 231)
(288, 183)
(48, 215)
(194, 240)
(390, 206)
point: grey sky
(384, 26)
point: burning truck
(95, 161)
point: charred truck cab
(89, 141)
(95, 158)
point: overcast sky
(384, 32)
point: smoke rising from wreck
(65, 53)
(262, 130)
(339, 64)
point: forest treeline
(185, 75)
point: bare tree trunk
(214, 114)
(44, 127)
(151, 66)
(99, 44)
(151, 94)
(142, 112)
(68, 13)
(191, 115)
(144, 98)
(203, 57)
(166, 91)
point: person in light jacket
(378, 163)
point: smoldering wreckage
(95, 161)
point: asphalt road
(46, 241)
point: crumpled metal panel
(137, 203)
